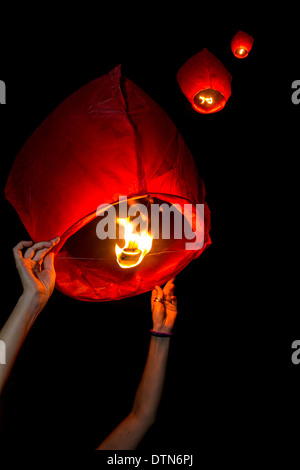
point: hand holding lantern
(36, 270)
(164, 311)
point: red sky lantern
(241, 44)
(108, 139)
(205, 82)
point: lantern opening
(204, 100)
(241, 52)
(97, 269)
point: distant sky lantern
(241, 44)
(109, 145)
(205, 82)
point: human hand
(36, 270)
(164, 313)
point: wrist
(31, 302)
(163, 328)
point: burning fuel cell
(137, 245)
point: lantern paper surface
(241, 44)
(107, 139)
(205, 82)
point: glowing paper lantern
(241, 44)
(205, 82)
(105, 140)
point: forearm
(15, 331)
(150, 389)
(128, 434)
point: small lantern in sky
(241, 44)
(205, 82)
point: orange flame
(137, 245)
(207, 100)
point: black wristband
(161, 335)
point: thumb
(49, 262)
(159, 292)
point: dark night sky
(77, 372)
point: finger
(39, 250)
(49, 262)
(153, 293)
(32, 251)
(55, 240)
(159, 292)
(169, 285)
(174, 300)
(36, 247)
(169, 289)
(17, 250)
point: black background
(230, 382)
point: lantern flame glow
(207, 100)
(241, 52)
(137, 245)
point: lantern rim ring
(92, 215)
(209, 111)
(239, 56)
